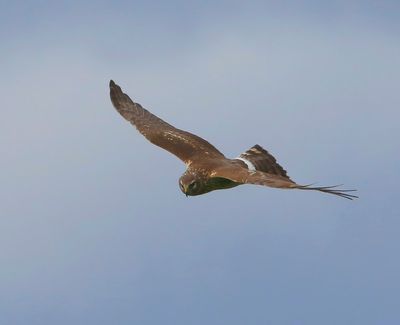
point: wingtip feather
(331, 190)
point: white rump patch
(249, 164)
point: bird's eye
(192, 185)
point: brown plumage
(207, 168)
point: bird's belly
(220, 183)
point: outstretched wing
(239, 174)
(182, 144)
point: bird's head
(191, 184)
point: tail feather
(263, 161)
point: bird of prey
(207, 168)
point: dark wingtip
(115, 92)
(331, 190)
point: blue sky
(94, 228)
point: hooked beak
(185, 190)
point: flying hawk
(207, 168)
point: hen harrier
(207, 168)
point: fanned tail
(330, 190)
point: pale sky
(93, 226)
